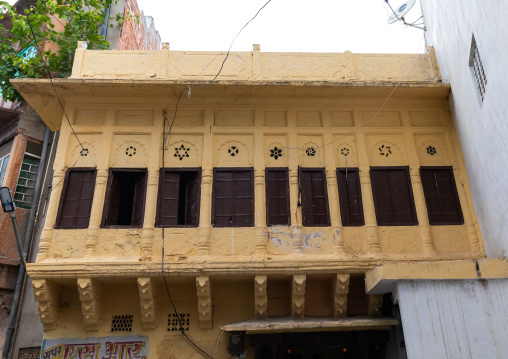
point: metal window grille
(3, 167)
(29, 353)
(475, 62)
(121, 323)
(25, 187)
(177, 324)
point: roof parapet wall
(254, 66)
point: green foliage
(58, 25)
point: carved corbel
(375, 303)
(147, 303)
(46, 301)
(88, 297)
(260, 296)
(341, 290)
(298, 298)
(204, 291)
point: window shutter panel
(393, 196)
(382, 196)
(138, 208)
(401, 197)
(441, 197)
(314, 198)
(112, 201)
(168, 199)
(350, 197)
(277, 197)
(233, 198)
(193, 198)
(69, 200)
(306, 194)
(243, 201)
(86, 198)
(271, 197)
(283, 197)
(320, 198)
(223, 198)
(76, 199)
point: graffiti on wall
(130, 347)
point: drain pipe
(13, 318)
(104, 27)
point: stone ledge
(383, 278)
(240, 266)
(40, 94)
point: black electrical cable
(180, 322)
(56, 186)
(162, 184)
(51, 80)
(168, 135)
(163, 226)
(227, 55)
(230, 46)
(166, 138)
(56, 94)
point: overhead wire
(178, 317)
(351, 132)
(63, 177)
(51, 77)
(411, 69)
(190, 88)
(166, 138)
(298, 148)
(230, 46)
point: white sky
(284, 25)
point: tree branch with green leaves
(58, 25)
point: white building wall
(482, 128)
(454, 319)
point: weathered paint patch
(312, 238)
(279, 239)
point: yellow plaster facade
(116, 101)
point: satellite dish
(402, 10)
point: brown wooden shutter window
(441, 197)
(277, 197)
(124, 205)
(76, 199)
(314, 195)
(393, 196)
(350, 197)
(178, 200)
(233, 197)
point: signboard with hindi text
(124, 347)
